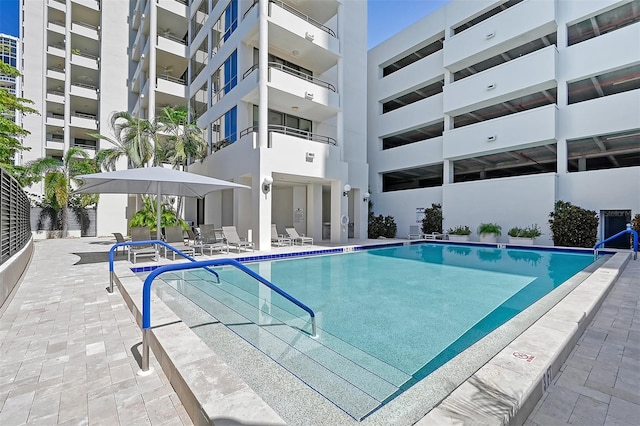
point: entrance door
(614, 222)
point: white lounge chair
(234, 240)
(142, 233)
(298, 238)
(278, 239)
(174, 236)
(414, 232)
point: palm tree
(134, 138)
(59, 181)
(185, 140)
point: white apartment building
(10, 54)
(497, 109)
(75, 70)
(279, 88)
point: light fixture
(294, 108)
(347, 189)
(365, 197)
(295, 53)
(266, 184)
(309, 156)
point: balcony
(55, 142)
(172, 44)
(83, 59)
(296, 133)
(55, 96)
(527, 128)
(57, 50)
(86, 30)
(292, 30)
(56, 26)
(55, 73)
(91, 4)
(176, 7)
(171, 86)
(84, 90)
(515, 26)
(85, 121)
(58, 5)
(56, 120)
(528, 74)
(88, 147)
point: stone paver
(599, 384)
(67, 347)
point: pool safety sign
(523, 356)
(419, 214)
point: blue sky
(386, 17)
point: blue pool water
(386, 317)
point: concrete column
(153, 40)
(314, 211)
(263, 69)
(261, 213)
(447, 170)
(339, 205)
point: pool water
(386, 317)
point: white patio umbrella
(153, 180)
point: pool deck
(70, 353)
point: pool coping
(221, 394)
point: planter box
(459, 238)
(489, 238)
(521, 241)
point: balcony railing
(302, 75)
(84, 145)
(249, 71)
(56, 69)
(84, 24)
(84, 115)
(250, 7)
(304, 17)
(84, 54)
(172, 79)
(15, 223)
(291, 131)
(172, 37)
(55, 92)
(86, 86)
(54, 115)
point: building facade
(278, 87)
(496, 110)
(10, 54)
(75, 71)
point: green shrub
(459, 230)
(532, 231)
(573, 226)
(382, 226)
(635, 223)
(489, 228)
(147, 216)
(432, 221)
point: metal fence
(15, 224)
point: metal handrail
(623, 232)
(292, 131)
(55, 92)
(83, 115)
(171, 79)
(305, 17)
(219, 94)
(85, 86)
(249, 71)
(224, 37)
(250, 7)
(146, 243)
(302, 75)
(84, 24)
(146, 296)
(170, 36)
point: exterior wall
(517, 200)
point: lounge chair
(279, 239)
(174, 236)
(121, 239)
(433, 236)
(298, 238)
(191, 239)
(414, 232)
(217, 242)
(234, 240)
(142, 233)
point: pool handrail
(625, 231)
(146, 243)
(146, 296)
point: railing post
(145, 370)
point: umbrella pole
(158, 213)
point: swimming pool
(386, 317)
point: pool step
(355, 381)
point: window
(277, 118)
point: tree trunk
(65, 222)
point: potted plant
(524, 236)
(459, 233)
(489, 232)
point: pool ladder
(623, 232)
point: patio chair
(142, 233)
(191, 239)
(121, 239)
(279, 239)
(298, 238)
(215, 243)
(207, 233)
(234, 240)
(174, 236)
(433, 236)
(414, 232)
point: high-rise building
(277, 85)
(498, 109)
(10, 54)
(75, 70)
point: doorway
(615, 221)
